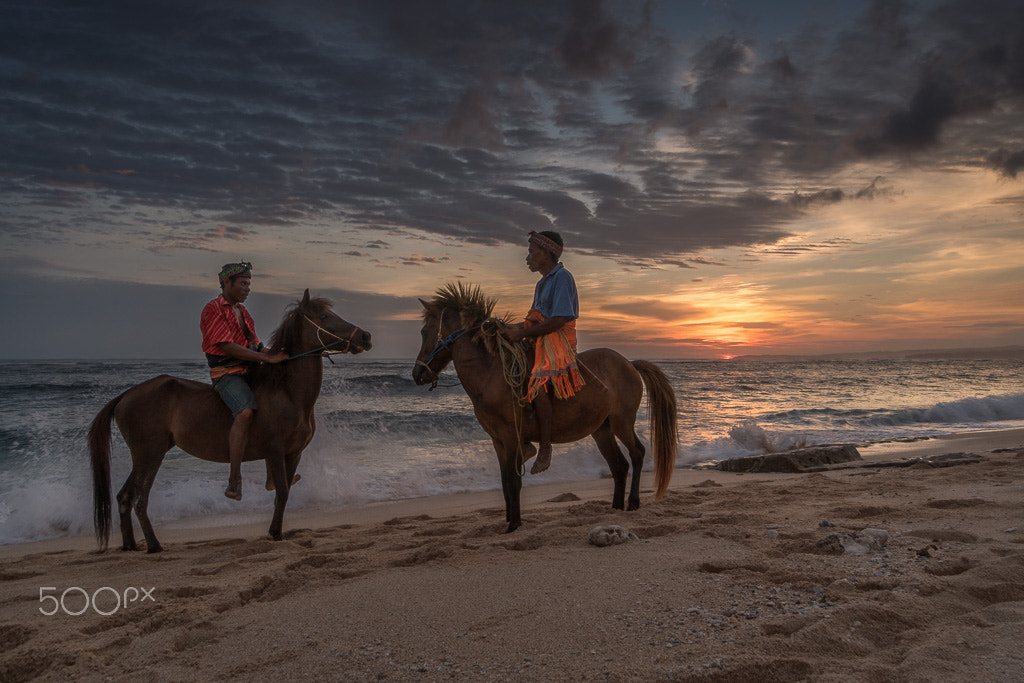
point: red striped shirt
(219, 324)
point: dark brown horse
(168, 411)
(605, 408)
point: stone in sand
(800, 460)
(859, 543)
(610, 535)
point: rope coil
(515, 361)
(516, 369)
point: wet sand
(733, 577)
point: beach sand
(733, 577)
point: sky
(730, 177)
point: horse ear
(305, 298)
(425, 304)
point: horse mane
(288, 333)
(475, 310)
(466, 300)
(286, 337)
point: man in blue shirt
(552, 322)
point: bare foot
(270, 482)
(543, 460)
(234, 489)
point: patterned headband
(230, 270)
(546, 243)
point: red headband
(546, 243)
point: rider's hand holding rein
(539, 329)
(263, 356)
(274, 357)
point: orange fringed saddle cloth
(554, 360)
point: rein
(325, 347)
(442, 345)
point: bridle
(442, 345)
(325, 348)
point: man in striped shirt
(232, 348)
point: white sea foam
(382, 438)
(1007, 407)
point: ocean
(380, 437)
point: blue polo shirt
(555, 294)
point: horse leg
(125, 501)
(142, 505)
(636, 456)
(279, 471)
(291, 465)
(616, 462)
(511, 482)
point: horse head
(438, 335)
(312, 327)
(455, 310)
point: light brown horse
(169, 411)
(605, 408)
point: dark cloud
(830, 245)
(473, 124)
(1006, 162)
(829, 196)
(782, 68)
(478, 120)
(886, 19)
(563, 209)
(877, 188)
(717, 65)
(232, 232)
(593, 42)
(976, 61)
(420, 260)
(919, 125)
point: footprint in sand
(428, 553)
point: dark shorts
(235, 392)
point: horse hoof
(512, 527)
(155, 549)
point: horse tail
(664, 430)
(99, 451)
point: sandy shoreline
(535, 491)
(733, 578)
